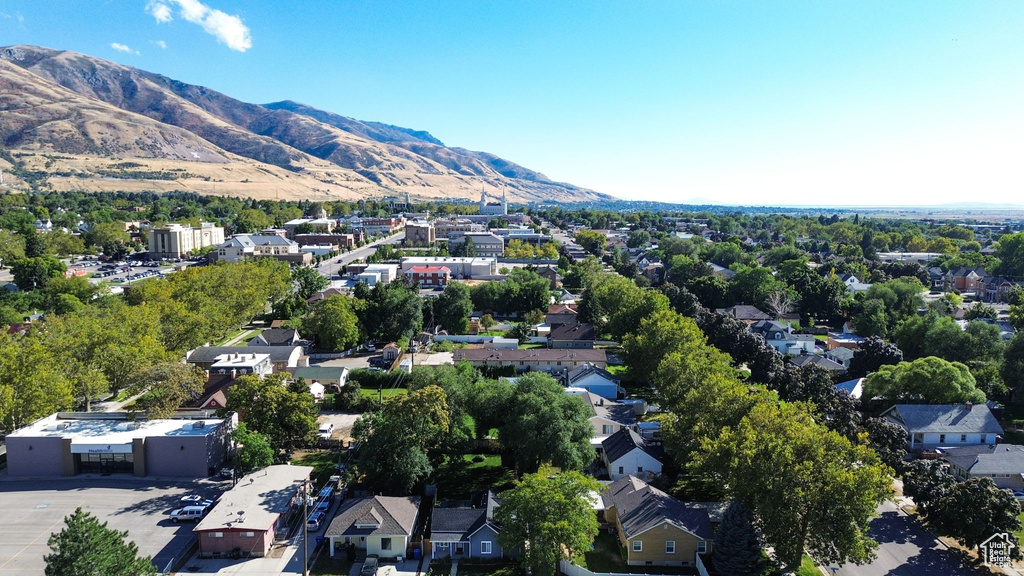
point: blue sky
(797, 103)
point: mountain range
(69, 121)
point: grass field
(371, 393)
(459, 480)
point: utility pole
(305, 527)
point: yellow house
(653, 527)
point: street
(329, 269)
(905, 548)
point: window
(216, 534)
(942, 438)
(963, 438)
(385, 543)
(485, 547)
(638, 546)
(639, 469)
(670, 547)
(608, 429)
(620, 469)
(248, 534)
(702, 547)
(441, 545)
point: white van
(325, 431)
(193, 513)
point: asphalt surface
(330, 269)
(905, 548)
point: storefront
(103, 459)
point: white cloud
(159, 43)
(123, 48)
(227, 29)
(160, 11)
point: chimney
(789, 327)
(968, 406)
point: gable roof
(745, 312)
(320, 372)
(607, 409)
(944, 418)
(457, 520)
(988, 459)
(562, 309)
(819, 361)
(530, 355)
(587, 370)
(206, 354)
(640, 507)
(576, 332)
(395, 516)
(276, 337)
(625, 441)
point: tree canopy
(86, 547)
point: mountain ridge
(330, 154)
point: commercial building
(176, 240)
(383, 226)
(419, 233)
(486, 245)
(246, 518)
(321, 225)
(443, 229)
(71, 443)
(429, 276)
(463, 268)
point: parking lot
(33, 509)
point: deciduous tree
(928, 380)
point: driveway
(905, 548)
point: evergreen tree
(737, 549)
(85, 547)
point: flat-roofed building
(177, 240)
(552, 360)
(247, 517)
(419, 233)
(460, 267)
(71, 443)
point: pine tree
(737, 549)
(85, 547)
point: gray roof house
(1003, 463)
(626, 453)
(745, 312)
(276, 337)
(653, 527)
(781, 337)
(819, 361)
(945, 425)
(466, 532)
(609, 416)
(381, 525)
(282, 357)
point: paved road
(331, 268)
(907, 549)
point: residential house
(260, 246)
(467, 532)
(841, 356)
(782, 338)
(550, 360)
(936, 277)
(276, 337)
(576, 335)
(596, 380)
(608, 417)
(945, 425)
(627, 453)
(428, 276)
(381, 525)
(843, 340)
(820, 361)
(281, 357)
(248, 516)
(550, 273)
(653, 527)
(745, 313)
(323, 295)
(853, 284)
(1003, 463)
(995, 289)
(855, 387)
(333, 378)
(963, 279)
(561, 314)
(655, 273)
(721, 271)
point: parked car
(191, 499)
(193, 513)
(315, 519)
(370, 566)
(325, 431)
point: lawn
(808, 567)
(460, 479)
(473, 567)
(323, 462)
(1020, 533)
(386, 393)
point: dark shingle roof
(457, 520)
(396, 515)
(572, 332)
(744, 312)
(531, 355)
(278, 336)
(945, 418)
(640, 507)
(587, 370)
(988, 459)
(814, 359)
(625, 440)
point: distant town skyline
(740, 103)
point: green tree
(980, 310)
(33, 273)
(32, 384)
(1010, 252)
(1012, 368)
(975, 510)
(926, 482)
(286, 415)
(548, 519)
(927, 380)
(250, 220)
(12, 247)
(737, 549)
(591, 241)
(169, 385)
(543, 424)
(638, 238)
(872, 355)
(254, 450)
(308, 281)
(86, 547)
(453, 307)
(333, 323)
(657, 336)
(487, 322)
(809, 487)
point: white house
(781, 338)
(608, 417)
(626, 453)
(381, 525)
(945, 425)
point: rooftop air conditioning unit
(199, 424)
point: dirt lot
(342, 424)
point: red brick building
(429, 275)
